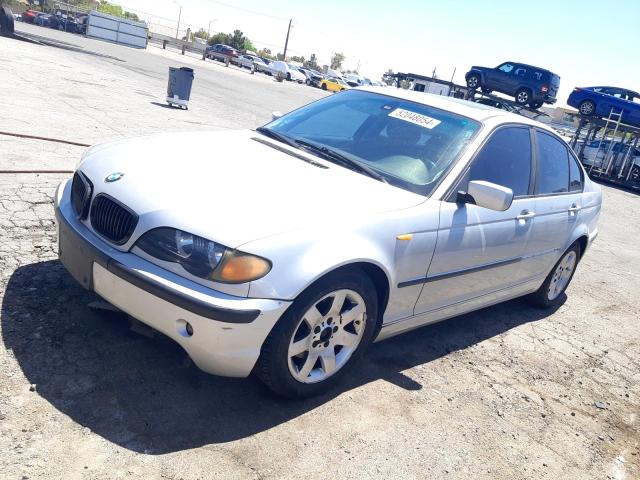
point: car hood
(234, 186)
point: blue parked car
(529, 85)
(598, 101)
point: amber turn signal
(239, 267)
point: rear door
(558, 196)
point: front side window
(505, 160)
(410, 144)
(506, 68)
(553, 165)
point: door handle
(574, 208)
(525, 214)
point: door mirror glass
(488, 195)
(276, 115)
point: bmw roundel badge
(114, 177)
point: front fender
(300, 262)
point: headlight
(201, 257)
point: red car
(222, 52)
(29, 16)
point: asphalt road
(509, 392)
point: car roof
(466, 108)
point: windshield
(411, 145)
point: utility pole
(286, 42)
(179, 17)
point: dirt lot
(509, 392)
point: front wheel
(473, 81)
(550, 293)
(324, 332)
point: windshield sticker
(416, 118)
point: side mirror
(276, 115)
(487, 195)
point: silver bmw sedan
(286, 251)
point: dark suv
(529, 85)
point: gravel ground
(508, 392)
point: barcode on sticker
(416, 118)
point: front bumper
(228, 331)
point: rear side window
(553, 165)
(505, 160)
(575, 175)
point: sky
(587, 42)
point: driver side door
(480, 252)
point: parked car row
(59, 21)
(330, 81)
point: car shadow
(144, 394)
(55, 43)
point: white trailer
(117, 30)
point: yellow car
(333, 84)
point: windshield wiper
(341, 159)
(267, 132)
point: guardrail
(181, 45)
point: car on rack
(529, 85)
(357, 217)
(495, 103)
(595, 151)
(601, 101)
(222, 53)
(333, 84)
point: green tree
(336, 60)
(202, 33)
(312, 62)
(266, 53)
(237, 39)
(388, 77)
(248, 45)
(116, 11)
(219, 38)
(299, 59)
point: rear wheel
(324, 86)
(324, 332)
(587, 108)
(288, 76)
(635, 174)
(523, 96)
(550, 293)
(473, 81)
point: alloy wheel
(522, 97)
(562, 275)
(327, 336)
(586, 108)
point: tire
(288, 76)
(547, 296)
(523, 96)
(587, 108)
(324, 86)
(536, 105)
(341, 307)
(473, 81)
(6, 21)
(308, 82)
(635, 174)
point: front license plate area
(76, 257)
